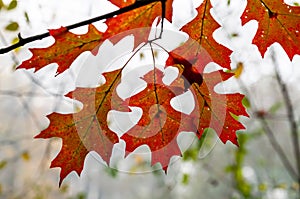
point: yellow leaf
(239, 69)
(25, 156)
(3, 164)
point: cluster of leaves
(12, 5)
(12, 25)
(88, 130)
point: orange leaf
(86, 130)
(160, 124)
(212, 110)
(216, 109)
(134, 21)
(201, 29)
(69, 46)
(189, 55)
(277, 22)
(65, 50)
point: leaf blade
(278, 22)
(86, 130)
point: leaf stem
(22, 41)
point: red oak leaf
(212, 110)
(69, 46)
(86, 130)
(201, 29)
(189, 55)
(65, 50)
(160, 124)
(277, 22)
(134, 21)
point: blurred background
(264, 166)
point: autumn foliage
(160, 123)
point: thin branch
(163, 15)
(290, 114)
(270, 135)
(22, 41)
(278, 148)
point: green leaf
(185, 179)
(246, 102)
(15, 40)
(229, 168)
(81, 196)
(3, 164)
(26, 17)
(13, 26)
(1, 4)
(12, 5)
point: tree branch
(278, 148)
(137, 4)
(270, 135)
(290, 114)
(13, 55)
(163, 13)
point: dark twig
(22, 41)
(163, 15)
(13, 55)
(290, 114)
